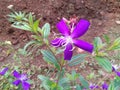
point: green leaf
(46, 30)
(84, 83)
(30, 18)
(105, 63)
(115, 45)
(36, 26)
(22, 26)
(117, 88)
(91, 76)
(74, 75)
(63, 81)
(78, 87)
(77, 59)
(49, 55)
(38, 38)
(116, 83)
(22, 52)
(111, 87)
(50, 58)
(69, 76)
(107, 39)
(44, 82)
(98, 44)
(17, 16)
(102, 54)
(48, 84)
(43, 78)
(29, 43)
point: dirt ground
(103, 15)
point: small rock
(2, 58)
(102, 13)
(10, 6)
(15, 42)
(100, 23)
(118, 22)
(8, 42)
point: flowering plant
(62, 78)
(70, 38)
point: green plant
(63, 79)
(17, 17)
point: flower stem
(61, 68)
(53, 53)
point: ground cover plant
(60, 53)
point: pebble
(118, 22)
(10, 6)
(2, 58)
(15, 42)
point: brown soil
(101, 13)
(97, 11)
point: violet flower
(4, 71)
(118, 73)
(69, 39)
(93, 86)
(105, 86)
(21, 79)
(114, 69)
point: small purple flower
(69, 38)
(21, 79)
(93, 86)
(118, 73)
(4, 71)
(114, 69)
(105, 86)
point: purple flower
(21, 79)
(104, 86)
(69, 39)
(117, 73)
(4, 71)
(114, 69)
(93, 86)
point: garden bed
(102, 14)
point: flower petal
(25, 85)
(63, 28)
(83, 45)
(93, 86)
(58, 42)
(16, 74)
(113, 68)
(4, 71)
(16, 82)
(118, 73)
(104, 86)
(68, 52)
(80, 28)
(23, 77)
